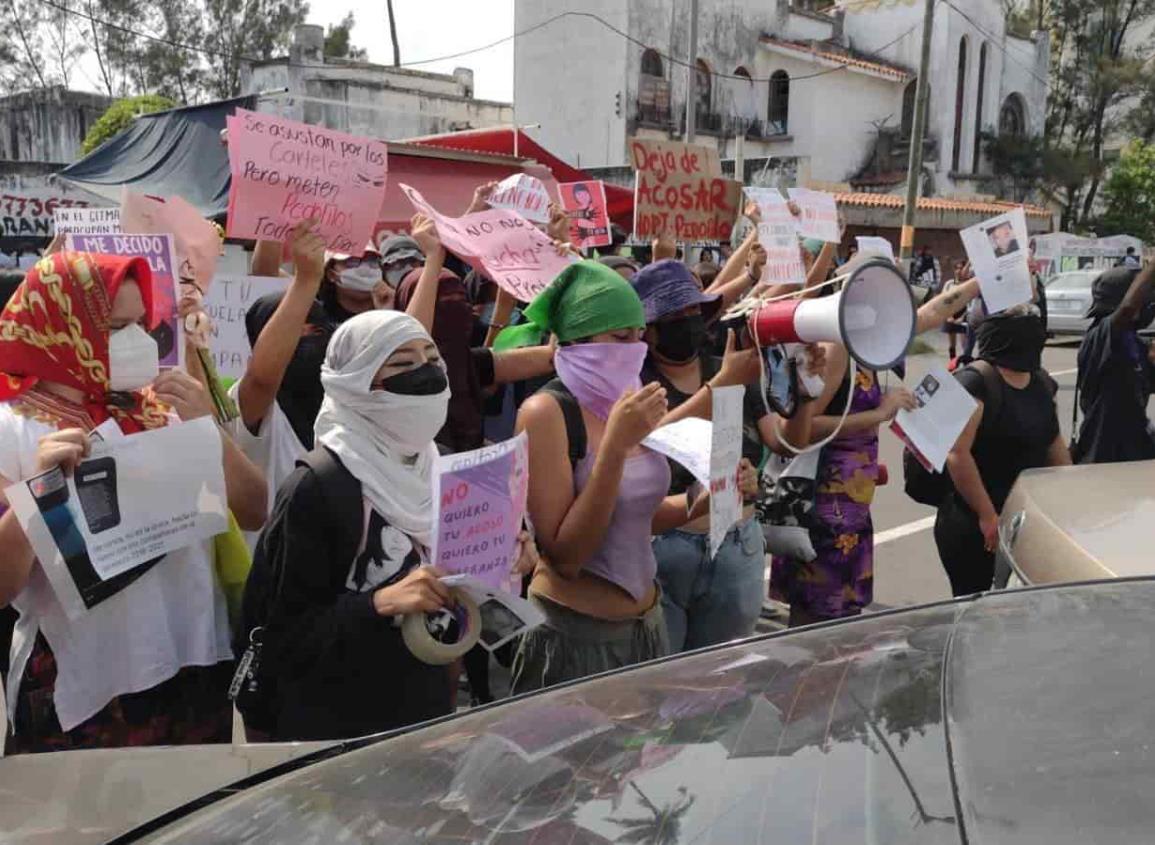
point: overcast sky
(431, 28)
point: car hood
(1106, 511)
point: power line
(995, 41)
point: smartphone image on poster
(50, 491)
(96, 487)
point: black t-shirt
(753, 410)
(1115, 382)
(1017, 437)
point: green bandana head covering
(813, 246)
(586, 298)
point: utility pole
(918, 132)
(393, 34)
(692, 83)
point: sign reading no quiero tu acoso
(284, 173)
(680, 191)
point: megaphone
(872, 316)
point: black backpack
(931, 488)
(575, 426)
(253, 689)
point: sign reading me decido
(680, 191)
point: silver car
(1068, 298)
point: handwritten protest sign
(226, 303)
(679, 190)
(819, 215)
(133, 499)
(158, 251)
(931, 429)
(197, 241)
(518, 257)
(997, 249)
(284, 172)
(686, 441)
(778, 235)
(870, 245)
(524, 194)
(584, 204)
(87, 221)
(480, 502)
(725, 455)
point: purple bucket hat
(667, 286)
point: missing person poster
(134, 499)
(725, 456)
(778, 235)
(480, 504)
(226, 303)
(160, 253)
(524, 194)
(819, 215)
(997, 249)
(585, 209)
(931, 429)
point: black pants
(969, 566)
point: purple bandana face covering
(597, 374)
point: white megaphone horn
(872, 316)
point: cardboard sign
(132, 500)
(480, 500)
(725, 456)
(931, 430)
(159, 252)
(524, 194)
(198, 243)
(226, 304)
(679, 191)
(997, 249)
(584, 204)
(778, 235)
(819, 215)
(284, 172)
(87, 221)
(518, 257)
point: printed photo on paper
(997, 251)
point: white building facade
(831, 91)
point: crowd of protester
(367, 367)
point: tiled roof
(991, 207)
(832, 56)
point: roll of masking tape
(442, 637)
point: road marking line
(1065, 373)
(892, 534)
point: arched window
(959, 103)
(1013, 117)
(745, 105)
(979, 108)
(705, 88)
(742, 72)
(652, 64)
(909, 99)
(778, 110)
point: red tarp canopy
(500, 141)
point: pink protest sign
(585, 207)
(513, 253)
(198, 244)
(524, 194)
(284, 172)
(480, 498)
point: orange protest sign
(679, 189)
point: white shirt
(275, 449)
(172, 616)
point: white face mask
(362, 278)
(133, 359)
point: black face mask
(426, 380)
(1015, 343)
(680, 340)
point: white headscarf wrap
(377, 434)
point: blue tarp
(175, 152)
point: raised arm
(1127, 314)
(423, 305)
(520, 364)
(934, 313)
(278, 339)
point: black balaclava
(1014, 342)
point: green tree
(256, 29)
(1129, 194)
(22, 59)
(338, 44)
(119, 116)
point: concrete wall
(47, 125)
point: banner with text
(284, 172)
(778, 235)
(511, 251)
(87, 221)
(30, 213)
(161, 256)
(525, 194)
(725, 456)
(480, 501)
(584, 204)
(819, 215)
(679, 190)
(226, 303)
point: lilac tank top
(626, 557)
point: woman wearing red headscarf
(150, 663)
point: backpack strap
(342, 492)
(993, 387)
(575, 426)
